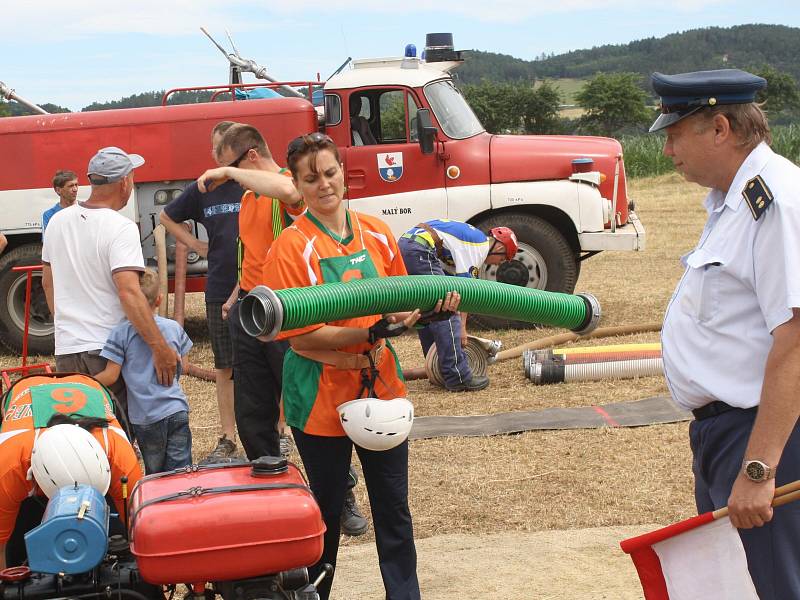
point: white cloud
(56, 19)
(481, 10)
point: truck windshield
(452, 111)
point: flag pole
(783, 495)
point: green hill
(743, 46)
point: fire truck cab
(412, 150)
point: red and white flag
(696, 559)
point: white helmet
(377, 424)
(67, 454)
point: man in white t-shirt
(92, 261)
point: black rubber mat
(649, 411)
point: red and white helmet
(506, 236)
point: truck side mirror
(426, 132)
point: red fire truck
(412, 150)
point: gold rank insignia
(757, 195)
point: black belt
(714, 409)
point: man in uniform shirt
(731, 335)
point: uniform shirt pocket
(702, 301)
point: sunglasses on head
(304, 142)
(242, 156)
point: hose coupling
(261, 313)
(592, 315)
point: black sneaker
(225, 450)
(352, 521)
(477, 383)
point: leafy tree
(781, 93)
(17, 109)
(540, 108)
(515, 107)
(4, 112)
(613, 102)
(393, 116)
(493, 104)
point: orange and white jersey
(27, 406)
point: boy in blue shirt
(159, 414)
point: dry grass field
(482, 488)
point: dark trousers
(326, 461)
(773, 551)
(422, 260)
(257, 376)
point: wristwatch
(757, 471)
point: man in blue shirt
(65, 183)
(445, 247)
(218, 212)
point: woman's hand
(392, 326)
(443, 310)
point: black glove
(430, 316)
(385, 329)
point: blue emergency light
(73, 536)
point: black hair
(87, 423)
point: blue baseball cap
(111, 164)
(686, 93)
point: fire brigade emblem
(390, 166)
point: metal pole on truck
(241, 65)
(9, 94)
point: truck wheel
(12, 303)
(545, 260)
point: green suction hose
(265, 312)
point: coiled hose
(479, 353)
(265, 312)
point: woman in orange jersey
(330, 244)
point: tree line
(742, 46)
(612, 104)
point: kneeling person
(445, 247)
(68, 416)
(159, 414)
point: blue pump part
(73, 536)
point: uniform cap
(686, 93)
(112, 164)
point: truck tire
(12, 303)
(545, 260)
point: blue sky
(73, 53)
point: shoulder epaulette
(758, 196)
